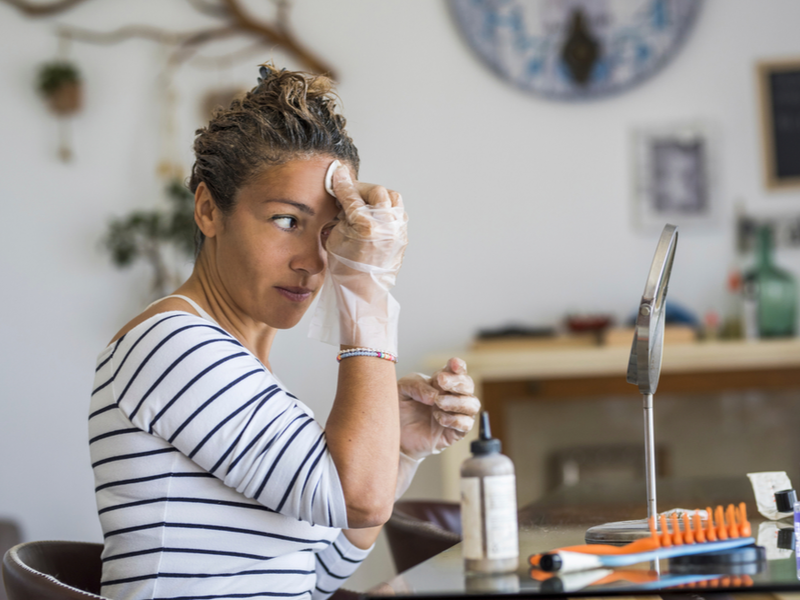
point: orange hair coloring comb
(725, 529)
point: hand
(436, 411)
(365, 251)
(373, 229)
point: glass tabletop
(563, 520)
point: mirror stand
(644, 369)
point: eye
(284, 222)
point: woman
(212, 479)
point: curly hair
(288, 115)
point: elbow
(369, 514)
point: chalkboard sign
(780, 105)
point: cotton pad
(329, 177)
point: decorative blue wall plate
(575, 49)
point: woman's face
(270, 251)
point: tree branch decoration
(234, 21)
(147, 235)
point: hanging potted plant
(60, 85)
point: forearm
(365, 250)
(363, 436)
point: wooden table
(533, 372)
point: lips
(295, 294)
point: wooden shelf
(536, 361)
(535, 372)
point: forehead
(298, 180)
(297, 172)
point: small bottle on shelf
(769, 294)
(732, 327)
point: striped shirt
(212, 481)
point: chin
(285, 321)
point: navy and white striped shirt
(212, 481)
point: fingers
(458, 408)
(345, 190)
(455, 383)
(397, 199)
(460, 423)
(356, 194)
(456, 412)
(417, 387)
(456, 365)
(453, 378)
(376, 196)
(453, 410)
(465, 405)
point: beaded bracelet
(366, 352)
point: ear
(206, 213)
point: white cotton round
(329, 177)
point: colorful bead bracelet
(366, 352)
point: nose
(310, 257)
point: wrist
(370, 328)
(406, 470)
(408, 458)
(352, 352)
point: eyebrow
(298, 205)
(301, 207)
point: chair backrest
(420, 529)
(53, 571)
(10, 536)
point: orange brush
(731, 524)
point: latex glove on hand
(365, 251)
(435, 412)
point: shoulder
(172, 332)
(175, 348)
(157, 336)
(157, 308)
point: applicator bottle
(489, 506)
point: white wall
(519, 207)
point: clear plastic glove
(405, 474)
(436, 411)
(365, 251)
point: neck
(205, 287)
(763, 249)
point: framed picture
(674, 176)
(779, 86)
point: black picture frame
(674, 175)
(779, 85)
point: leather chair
(10, 536)
(53, 571)
(420, 529)
(67, 571)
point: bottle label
(471, 525)
(797, 528)
(489, 517)
(750, 310)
